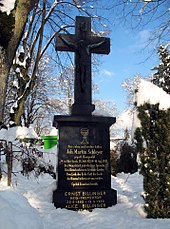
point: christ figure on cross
(83, 44)
(83, 50)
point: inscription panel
(85, 200)
(85, 164)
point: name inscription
(84, 165)
(85, 200)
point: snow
(17, 132)
(7, 6)
(53, 131)
(23, 62)
(135, 123)
(15, 84)
(147, 93)
(28, 204)
(102, 113)
(16, 212)
(124, 120)
(112, 144)
(150, 93)
(13, 107)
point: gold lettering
(84, 168)
(72, 206)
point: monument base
(84, 200)
(84, 175)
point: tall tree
(13, 17)
(46, 19)
(161, 77)
(152, 15)
(65, 93)
(104, 107)
(130, 85)
(152, 141)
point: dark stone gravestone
(84, 177)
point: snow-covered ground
(28, 205)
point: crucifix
(83, 43)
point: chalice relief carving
(84, 132)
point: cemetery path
(127, 214)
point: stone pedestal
(84, 176)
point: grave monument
(84, 176)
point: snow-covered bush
(153, 145)
(153, 137)
(19, 153)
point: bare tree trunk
(4, 69)
(16, 21)
(18, 112)
(9, 155)
(24, 89)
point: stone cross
(83, 43)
